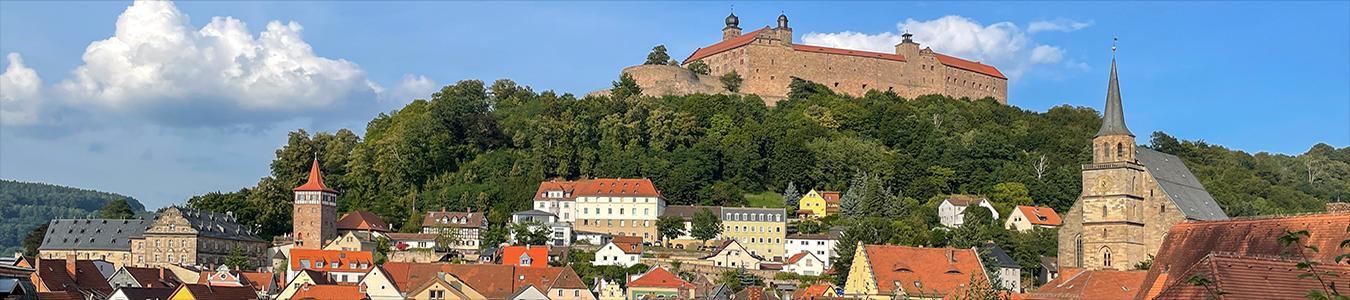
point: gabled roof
(315, 181)
(362, 220)
(92, 234)
(800, 255)
(922, 271)
(687, 212)
(201, 291)
(567, 187)
(1000, 258)
(1075, 283)
(965, 200)
(755, 293)
(441, 280)
(511, 255)
(461, 219)
(328, 292)
(153, 277)
(322, 260)
(619, 187)
(145, 293)
(629, 244)
(659, 277)
(831, 197)
(87, 277)
(260, 281)
(1043, 216)
(1188, 243)
(838, 51)
(726, 244)
(493, 281)
(814, 291)
(724, 45)
(956, 62)
(1240, 277)
(1179, 184)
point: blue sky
(162, 101)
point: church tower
(733, 28)
(1112, 202)
(314, 219)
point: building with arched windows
(1131, 197)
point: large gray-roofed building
(1179, 184)
(92, 234)
(687, 212)
(217, 225)
(753, 214)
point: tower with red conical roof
(314, 219)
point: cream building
(760, 230)
(619, 206)
(733, 254)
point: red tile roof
(837, 51)
(799, 256)
(659, 277)
(493, 281)
(1240, 277)
(937, 271)
(1075, 283)
(56, 277)
(1188, 243)
(153, 277)
(362, 220)
(1044, 216)
(260, 281)
(723, 46)
(315, 182)
(459, 219)
(206, 292)
(619, 187)
(755, 293)
(567, 187)
(952, 61)
(629, 244)
(328, 292)
(965, 200)
(830, 197)
(821, 291)
(322, 260)
(538, 255)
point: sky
(165, 100)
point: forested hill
(26, 205)
(483, 147)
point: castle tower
(733, 28)
(907, 47)
(784, 32)
(314, 219)
(1113, 200)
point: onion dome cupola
(782, 21)
(733, 21)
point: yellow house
(447, 287)
(819, 204)
(202, 291)
(892, 272)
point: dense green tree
(237, 260)
(670, 227)
(117, 209)
(28, 205)
(531, 233)
(33, 240)
(791, 196)
(658, 56)
(706, 225)
(625, 88)
(700, 67)
(731, 81)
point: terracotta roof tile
(660, 278)
(838, 51)
(362, 220)
(723, 46)
(461, 219)
(620, 187)
(1188, 243)
(315, 181)
(926, 271)
(629, 244)
(322, 260)
(329, 292)
(1040, 215)
(538, 255)
(53, 274)
(1075, 283)
(1240, 277)
(745, 39)
(815, 291)
(955, 62)
(567, 187)
(493, 281)
(206, 292)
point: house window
(437, 295)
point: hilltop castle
(767, 60)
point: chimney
(1338, 207)
(70, 265)
(951, 256)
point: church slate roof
(1113, 116)
(1000, 257)
(92, 234)
(1179, 184)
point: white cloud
(1061, 24)
(1003, 45)
(20, 92)
(157, 64)
(1046, 54)
(412, 87)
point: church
(1131, 197)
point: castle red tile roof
(629, 244)
(723, 46)
(659, 277)
(1076, 283)
(315, 182)
(618, 187)
(1239, 277)
(322, 260)
(362, 220)
(1044, 216)
(206, 292)
(955, 62)
(538, 255)
(328, 292)
(1186, 244)
(922, 271)
(838, 51)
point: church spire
(315, 181)
(1113, 119)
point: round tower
(733, 28)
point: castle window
(836, 84)
(1163, 207)
(1120, 151)
(1078, 250)
(1103, 211)
(864, 86)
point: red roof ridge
(964, 64)
(723, 46)
(315, 181)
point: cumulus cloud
(20, 89)
(1003, 45)
(411, 87)
(156, 63)
(1061, 24)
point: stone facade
(767, 59)
(181, 236)
(619, 206)
(314, 219)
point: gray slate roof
(92, 234)
(1113, 117)
(1000, 257)
(1179, 184)
(217, 225)
(687, 212)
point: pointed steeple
(315, 182)
(1113, 119)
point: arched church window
(1120, 150)
(1106, 256)
(1078, 250)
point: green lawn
(765, 199)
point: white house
(822, 245)
(623, 251)
(1025, 218)
(1008, 273)
(556, 197)
(407, 241)
(805, 263)
(560, 232)
(379, 286)
(732, 254)
(953, 209)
